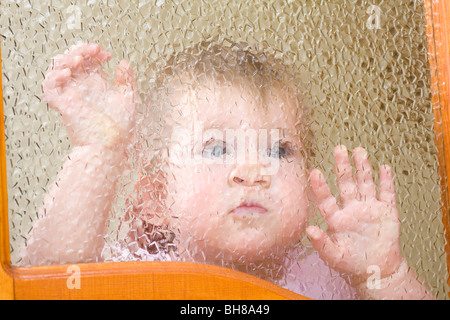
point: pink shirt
(312, 278)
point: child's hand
(364, 230)
(93, 110)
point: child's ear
(148, 199)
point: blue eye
(278, 151)
(214, 149)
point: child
(221, 207)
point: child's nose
(249, 176)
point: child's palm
(92, 109)
(365, 231)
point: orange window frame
(180, 280)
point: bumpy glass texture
(301, 76)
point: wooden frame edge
(6, 279)
(145, 280)
(438, 32)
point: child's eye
(280, 151)
(214, 149)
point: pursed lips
(248, 207)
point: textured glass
(360, 68)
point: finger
(54, 80)
(327, 249)
(387, 188)
(60, 102)
(64, 61)
(344, 176)
(124, 74)
(326, 202)
(364, 179)
(91, 52)
(104, 56)
(127, 85)
(56, 77)
(86, 50)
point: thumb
(124, 74)
(327, 249)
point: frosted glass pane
(310, 74)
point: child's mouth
(249, 207)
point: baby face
(223, 202)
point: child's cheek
(196, 192)
(290, 185)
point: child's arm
(363, 236)
(99, 118)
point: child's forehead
(239, 104)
